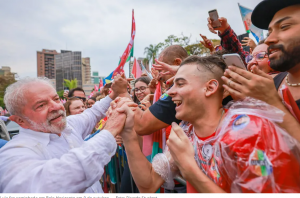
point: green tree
(71, 84)
(174, 40)
(61, 94)
(152, 51)
(199, 49)
(5, 81)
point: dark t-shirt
(164, 109)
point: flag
(290, 102)
(152, 144)
(91, 94)
(108, 79)
(100, 84)
(136, 69)
(131, 54)
(125, 55)
(246, 17)
(132, 29)
(145, 70)
(95, 88)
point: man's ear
(211, 87)
(177, 61)
(19, 120)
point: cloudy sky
(101, 29)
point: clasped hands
(120, 116)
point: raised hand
(259, 85)
(224, 25)
(207, 43)
(248, 42)
(180, 147)
(165, 68)
(119, 85)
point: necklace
(289, 84)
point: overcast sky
(101, 29)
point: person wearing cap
(282, 20)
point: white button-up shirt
(37, 162)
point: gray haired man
(49, 155)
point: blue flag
(246, 17)
(108, 79)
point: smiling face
(261, 64)
(284, 39)
(43, 111)
(76, 107)
(188, 93)
(141, 94)
(90, 103)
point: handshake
(120, 117)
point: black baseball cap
(264, 12)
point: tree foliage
(152, 52)
(193, 49)
(5, 81)
(71, 84)
(199, 49)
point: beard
(46, 126)
(290, 57)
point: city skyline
(101, 29)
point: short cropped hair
(14, 94)
(172, 52)
(213, 64)
(71, 92)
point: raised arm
(229, 40)
(146, 179)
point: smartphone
(66, 89)
(242, 36)
(214, 17)
(234, 60)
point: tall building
(95, 78)
(5, 71)
(46, 63)
(86, 70)
(68, 66)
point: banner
(246, 17)
(108, 79)
(125, 55)
(136, 69)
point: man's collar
(41, 137)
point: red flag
(136, 69)
(91, 94)
(95, 88)
(125, 55)
(290, 102)
(100, 84)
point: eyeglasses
(258, 57)
(81, 98)
(142, 89)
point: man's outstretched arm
(146, 179)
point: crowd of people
(221, 128)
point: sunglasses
(81, 98)
(258, 57)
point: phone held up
(233, 60)
(214, 17)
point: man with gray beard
(49, 154)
